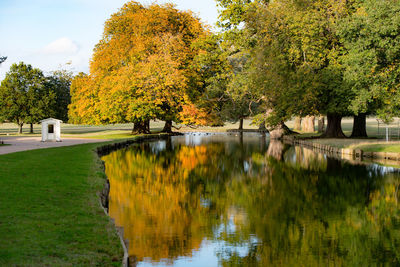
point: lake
(241, 200)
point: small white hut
(51, 130)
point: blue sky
(49, 33)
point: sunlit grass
(49, 210)
(395, 148)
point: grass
(49, 207)
(394, 148)
(116, 131)
(373, 144)
(49, 210)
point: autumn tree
(140, 69)
(24, 97)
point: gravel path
(16, 144)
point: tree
(24, 98)
(238, 42)
(296, 68)
(224, 94)
(140, 69)
(372, 38)
(2, 59)
(60, 82)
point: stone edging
(343, 152)
(107, 149)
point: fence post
(387, 133)
(378, 127)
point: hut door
(50, 131)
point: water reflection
(218, 200)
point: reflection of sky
(211, 251)
(203, 257)
(158, 146)
(194, 139)
(208, 254)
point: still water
(226, 200)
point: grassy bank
(393, 148)
(49, 210)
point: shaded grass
(49, 210)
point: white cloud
(62, 46)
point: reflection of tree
(275, 149)
(150, 198)
(303, 209)
(307, 159)
(305, 217)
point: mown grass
(116, 131)
(394, 148)
(49, 210)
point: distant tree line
(28, 96)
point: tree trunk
(279, 131)
(241, 124)
(359, 126)
(262, 127)
(20, 128)
(147, 123)
(167, 127)
(321, 124)
(297, 124)
(31, 129)
(308, 125)
(334, 127)
(275, 149)
(141, 127)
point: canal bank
(349, 153)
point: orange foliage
(140, 68)
(151, 199)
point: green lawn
(49, 210)
(49, 207)
(380, 148)
(115, 131)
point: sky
(48, 34)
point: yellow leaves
(150, 198)
(139, 67)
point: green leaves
(372, 37)
(24, 96)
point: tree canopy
(24, 96)
(372, 41)
(141, 68)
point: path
(19, 143)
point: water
(226, 200)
